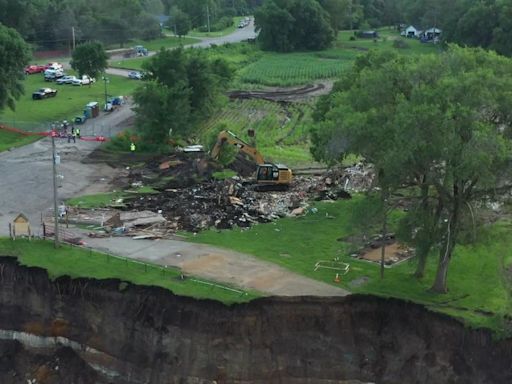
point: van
(53, 74)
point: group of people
(72, 134)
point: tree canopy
(14, 55)
(288, 25)
(182, 87)
(440, 122)
(89, 59)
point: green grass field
(102, 200)
(79, 262)
(254, 67)
(69, 102)
(479, 292)
(11, 140)
(281, 130)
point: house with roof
(432, 33)
(412, 32)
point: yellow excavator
(269, 176)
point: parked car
(30, 69)
(53, 74)
(65, 80)
(85, 80)
(44, 93)
(136, 75)
(54, 66)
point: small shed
(367, 34)
(412, 31)
(20, 226)
(432, 33)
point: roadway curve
(241, 34)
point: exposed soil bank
(130, 334)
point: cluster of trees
(438, 123)
(183, 87)
(14, 55)
(48, 23)
(288, 25)
(485, 24)
(206, 15)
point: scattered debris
(190, 199)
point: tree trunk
(384, 197)
(440, 285)
(422, 263)
(445, 253)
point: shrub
(400, 44)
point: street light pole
(105, 79)
(55, 212)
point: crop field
(291, 69)
(281, 129)
(69, 102)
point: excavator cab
(269, 177)
(273, 177)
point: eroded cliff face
(108, 332)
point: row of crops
(291, 69)
(281, 129)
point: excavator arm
(229, 138)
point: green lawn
(102, 200)
(78, 262)
(69, 102)
(11, 139)
(479, 293)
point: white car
(66, 80)
(85, 80)
(136, 75)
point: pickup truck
(44, 93)
(30, 69)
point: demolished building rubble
(190, 199)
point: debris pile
(223, 204)
(189, 198)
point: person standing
(77, 132)
(132, 148)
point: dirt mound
(281, 94)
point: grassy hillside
(479, 288)
(281, 129)
(78, 262)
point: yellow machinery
(268, 176)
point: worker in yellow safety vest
(132, 148)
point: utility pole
(105, 79)
(55, 212)
(208, 15)
(73, 34)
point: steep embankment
(129, 334)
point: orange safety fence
(51, 133)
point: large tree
(14, 55)
(438, 122)
(182, 88)
(288, 25)
(89, 59)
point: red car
(30, 69)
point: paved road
(237, 36)
(217, 264)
